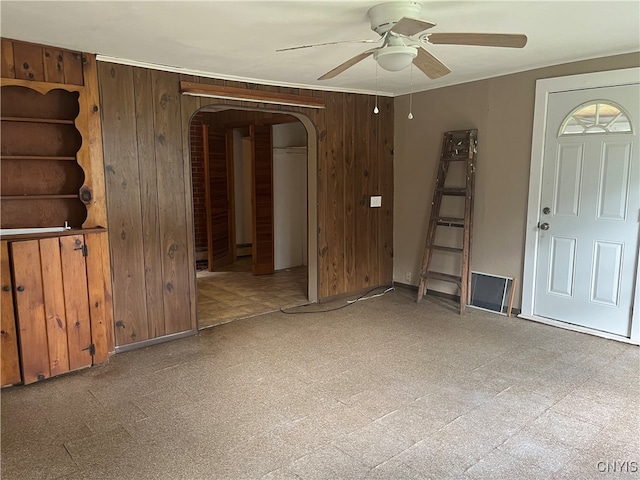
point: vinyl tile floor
(382, 389)
(233, 292)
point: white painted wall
(290, 195)
(289, 135)
(501, 108)
(289, 206)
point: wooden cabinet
(60, 298)
(10, 371)
(57, 312)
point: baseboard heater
(244, 249)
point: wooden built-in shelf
(38, 120)
(36, 157)
(39, 197)
(39, 159)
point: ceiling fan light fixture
(395, 58)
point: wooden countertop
(38, 236)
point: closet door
(219, 196)
(262, 199)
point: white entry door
(590, 209)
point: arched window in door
(596, 117)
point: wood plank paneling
(350, 246)
(108, 291)
(73, 68)
(171, 201)
(321, 206)
(54, 305)
(74, 281)
(28, 60)
(188, 105)
(362, 158)
(262, 186)
(348, 144)
(123, 202)
(41, 63)
(53, 65)
(151, 243)
(335, 216)
(9, 363)
(373, 188)
(6, 59)
(99, 291)
(30, 299)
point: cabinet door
(9, 366)
(34, 348)
(76, 300)
(100, 302)
(52, 305)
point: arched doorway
(253, 177)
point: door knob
(21, 288)
(6, 288)
(544, 226)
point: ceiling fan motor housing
(395, 58)
(384, 16)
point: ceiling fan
(397, 26)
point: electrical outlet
(407, 276)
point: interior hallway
(383, 389)
(233, 292)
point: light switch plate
(376, 201)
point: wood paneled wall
(148, 174)
(197, 183)
(27, 61)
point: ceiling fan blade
(410, 26)
(349, 63)
(479, 39)
(430, 65)
(329, 43)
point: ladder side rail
(436, 202)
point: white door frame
(544, 88)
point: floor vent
(491, 292)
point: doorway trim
(545, 87)
(312, 187)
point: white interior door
(589, 209)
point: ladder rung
(442, 248)
(453, 191)
(445, 277)
(456, 158)
(449, 221)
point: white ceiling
(238, 39)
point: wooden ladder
(457, 146)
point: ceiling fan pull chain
(375, 109)
(410, 116)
